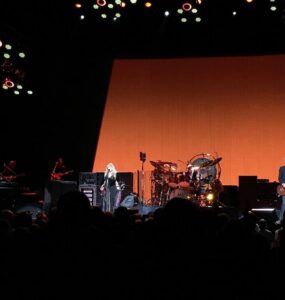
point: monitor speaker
(32, 208)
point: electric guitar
(280, 190)
(58, 176)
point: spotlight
(78, 5)
(186, 6)
(8, 83)
(210, 197)
(148, 4)
(166, 13)
(101, 2)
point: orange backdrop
(173, 109)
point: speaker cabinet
(89, 184)
(247, 192)
(229, 196)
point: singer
(110, 189)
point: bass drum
(184, 193)
(203, 175)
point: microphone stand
(142, 181)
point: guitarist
(281, 179)
(59, 171)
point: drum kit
(199, 182)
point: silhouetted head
(73, 203)
(262, 223)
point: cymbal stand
(142, 159)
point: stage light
(78, 5)
(30, 92)
(12, 68)
(101, 2)
(210, 197)
(95, 6)
(186, 6)
(110, 5)
(249, 1)
(103, 16)
(194, 10)
(82, 17)
(198, 19)
(180, 11)
(273, 8)
(148, 4)
(118, 15)
(118, 2)
(123, 4)
(166, 13)
(1, 44)
(8, 83)
(133, 1)
(234, 13)
(183, 20)
(199, 1)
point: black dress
(110, 194)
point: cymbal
(155, 164)
(163, 164)
(216, 161)
(206, 164)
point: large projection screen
(173, 109)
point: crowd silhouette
(180, 251)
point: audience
(180, 251)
